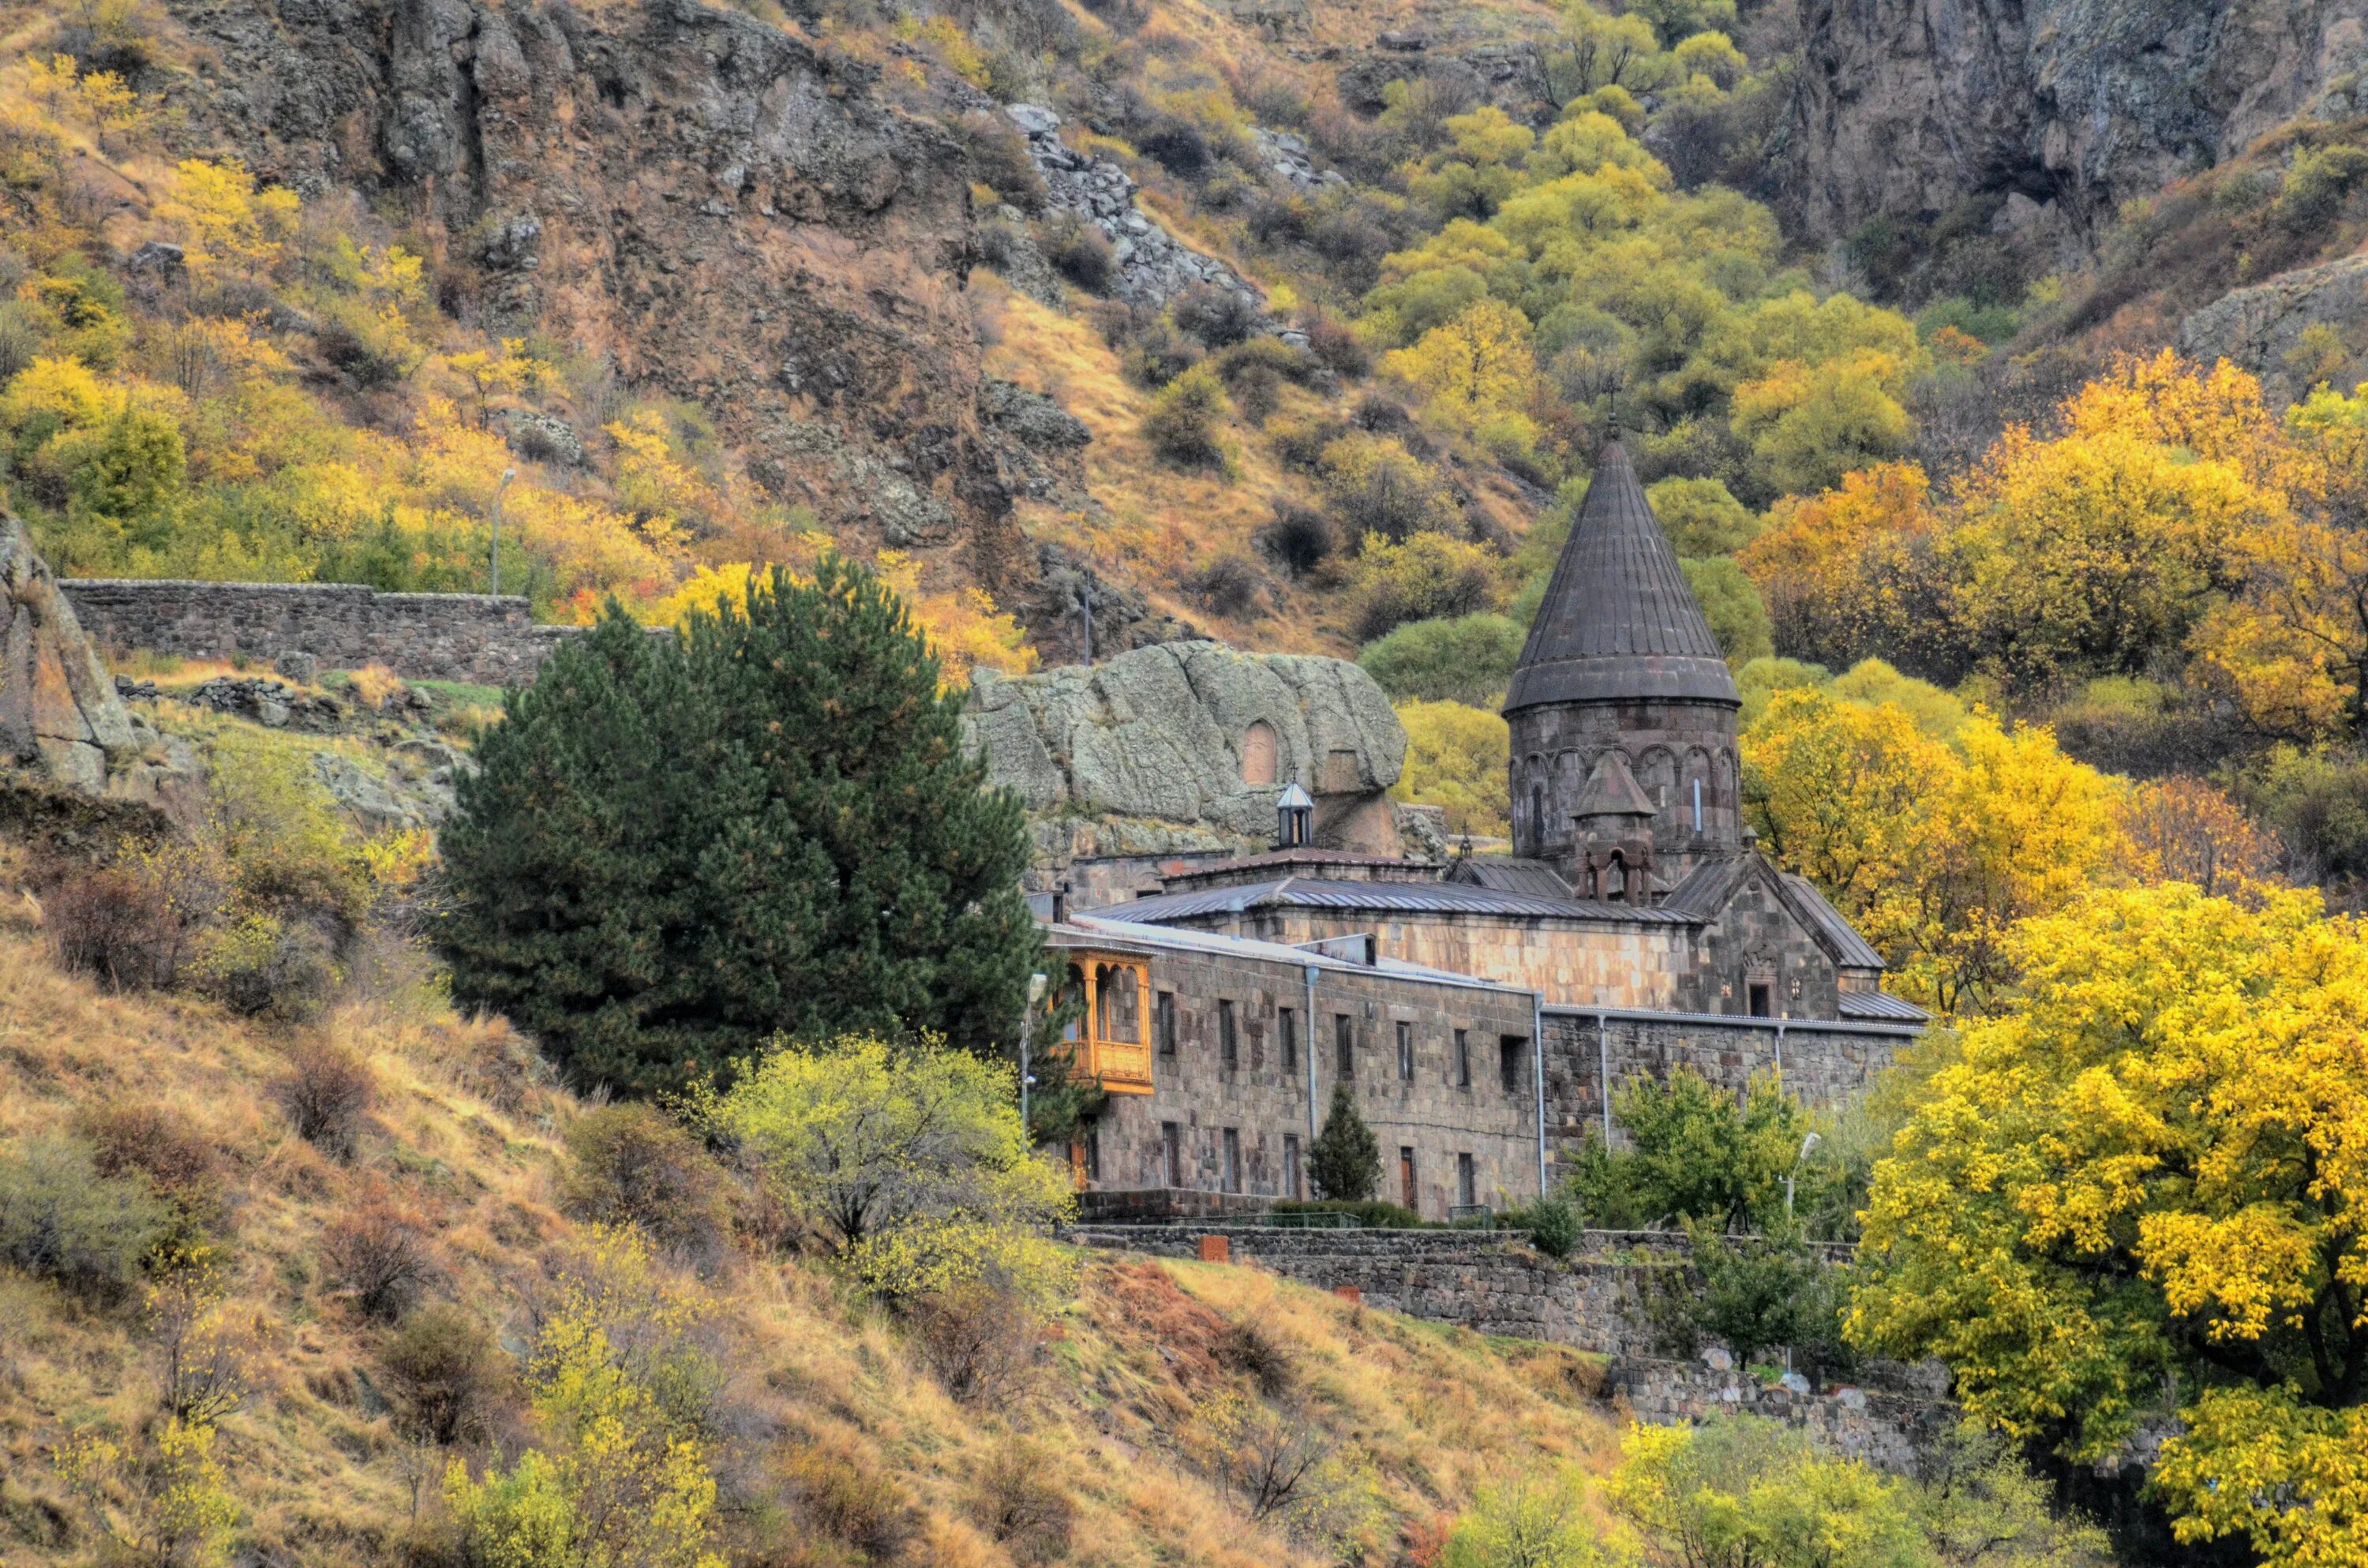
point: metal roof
(1509, 873)
(1620, 622)
(1388, 898)
(1849, 950)
(1103, 934)
(1881, 1005)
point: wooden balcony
(1112, 1041)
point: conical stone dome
(1620, 622)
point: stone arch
(1261, 753)
(1696, 776)
(1657, 770)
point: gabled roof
(1712, 886)
(1388, 898)
(1612, 791)
(1848, 948)
(1509, 873)
(1619, 621)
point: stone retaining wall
(1593, 1301)
(465, 637)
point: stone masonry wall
(1442, 1114)
(1824, 1063)
(1493, 1285)
(465, 637)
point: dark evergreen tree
(1346, 1162)
(676, 847)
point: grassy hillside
(834, 1441)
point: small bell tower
(1611, 838)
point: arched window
(1076, 986)
(1538, 810)
(1260, 752)
(1119, 1003)
(1615, 879)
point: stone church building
(1484, 1008)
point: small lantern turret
(1294, 820)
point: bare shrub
(1029, 1515)
(114, 925)
(159, 1145)
(1251, 1351)
(999, 158)
(844, 1497)
(1079, 252)
(1229, 585)
(448, 1375)
(1336, 347)
(633, 1164)
(327, 1094)
(379, 1256)
(1218, 317)
(978, 1339)
(1275, 1461)
(1299, 539)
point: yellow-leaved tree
(1455, 759)
(2141, 1191)
(908, 1164)
(624, 1379)
(1933, 849)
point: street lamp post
(1027, 1020)
(1811, 1142)
(507, 474)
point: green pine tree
(1346, 1162)
(676, 847)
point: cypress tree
(675, 848)
(1346, 1160)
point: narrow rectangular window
(1286, 1028)
(1407, 1194)
(1162, 1022)
(1344, 1045)
(1759, 995)
(1467, 1183)
(1093, 1153)
(1229, 1045)
(1463, 1059)
(1233, 1159)
(1405, 1054)
(1508, 1061)
(1290, 1165)
(1171, 1144)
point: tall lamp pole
(507, 474)
(1027, 1021)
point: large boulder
(1165, 749)
(63, 728)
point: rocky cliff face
(732, 214)
(2059, 109)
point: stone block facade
(1825, 1063)
(1236, 1119)
(475, 638)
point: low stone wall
(465, 637)
(1888, 1430)
(1593, 1301)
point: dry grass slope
(1132, 1384)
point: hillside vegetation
(345, 1312)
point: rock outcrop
(1909, 107)
(63, 728)
(2260, 328)
(1154, 752)
(730, 213)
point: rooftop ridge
(1619, 621)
